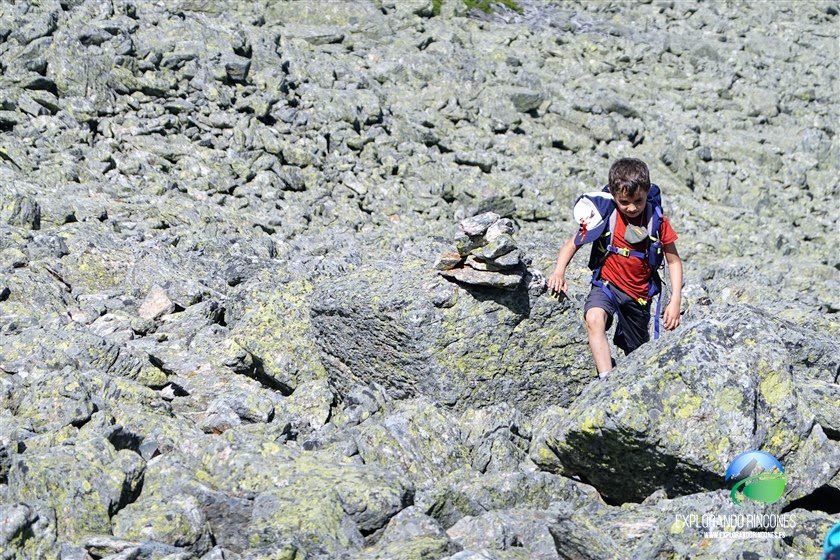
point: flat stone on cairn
(486, 254)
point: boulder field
(272, 279)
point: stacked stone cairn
(486, 254)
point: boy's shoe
(604, 375)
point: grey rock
(156, 304)
(43, 25)
(15, 520)
(500, 437)
(447, 261)
(404, 438)
(504, 226)
(468, 244)
(106, 477)
(182, 524)
(111, 547)
(361, 403)
(55, 400)
(471, 555)
(481, 160)
(316, 35)
(411, 534)
(72, 552)
(478, 225)
(21, 210)
(219, 418)
(467, 493)
(310, 406)
(29, 529)
(820, 394)
(521, 532)
(505, 279)
(216, 553)
(526, 100)
(82, 351)
(274, 326)
(499, 246)
(508, 261)
(236, 68)
(814, 467)
(47, 247)
(650, 529)
(358, 500)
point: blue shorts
(633, 318)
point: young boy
(623, 285)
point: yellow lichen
(684, 405)
(774, 387)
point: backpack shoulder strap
(611, 224)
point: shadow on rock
(630, 471)
(517, 301)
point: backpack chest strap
(626, 252)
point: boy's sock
(604, 375)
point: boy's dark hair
(629, 175)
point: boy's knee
(596, 319)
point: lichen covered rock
(679, 410)
(393, 333)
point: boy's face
(631, 205)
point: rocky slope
(223, 334)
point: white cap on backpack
(586, 214)
(591, 212)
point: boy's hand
(671, 319)
(557, 282)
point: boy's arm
(557, 280)
(671, 319)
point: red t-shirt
(630, 274)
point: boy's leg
(598, 310)
(596, 330)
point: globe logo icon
(757, 476)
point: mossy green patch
(781, 439)
(275, 327)
(684, 405)
(774, 386)
(728, 399)
(620, 396)
(592, 421)
(718, 449)
(176, 521)
(485, 6)
(94, 272)
(677, 527)
(417, 548)
(270, 448)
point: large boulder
(269, 318)
(401, 326)
(410, 534)
(86, 482)
(678, 411)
